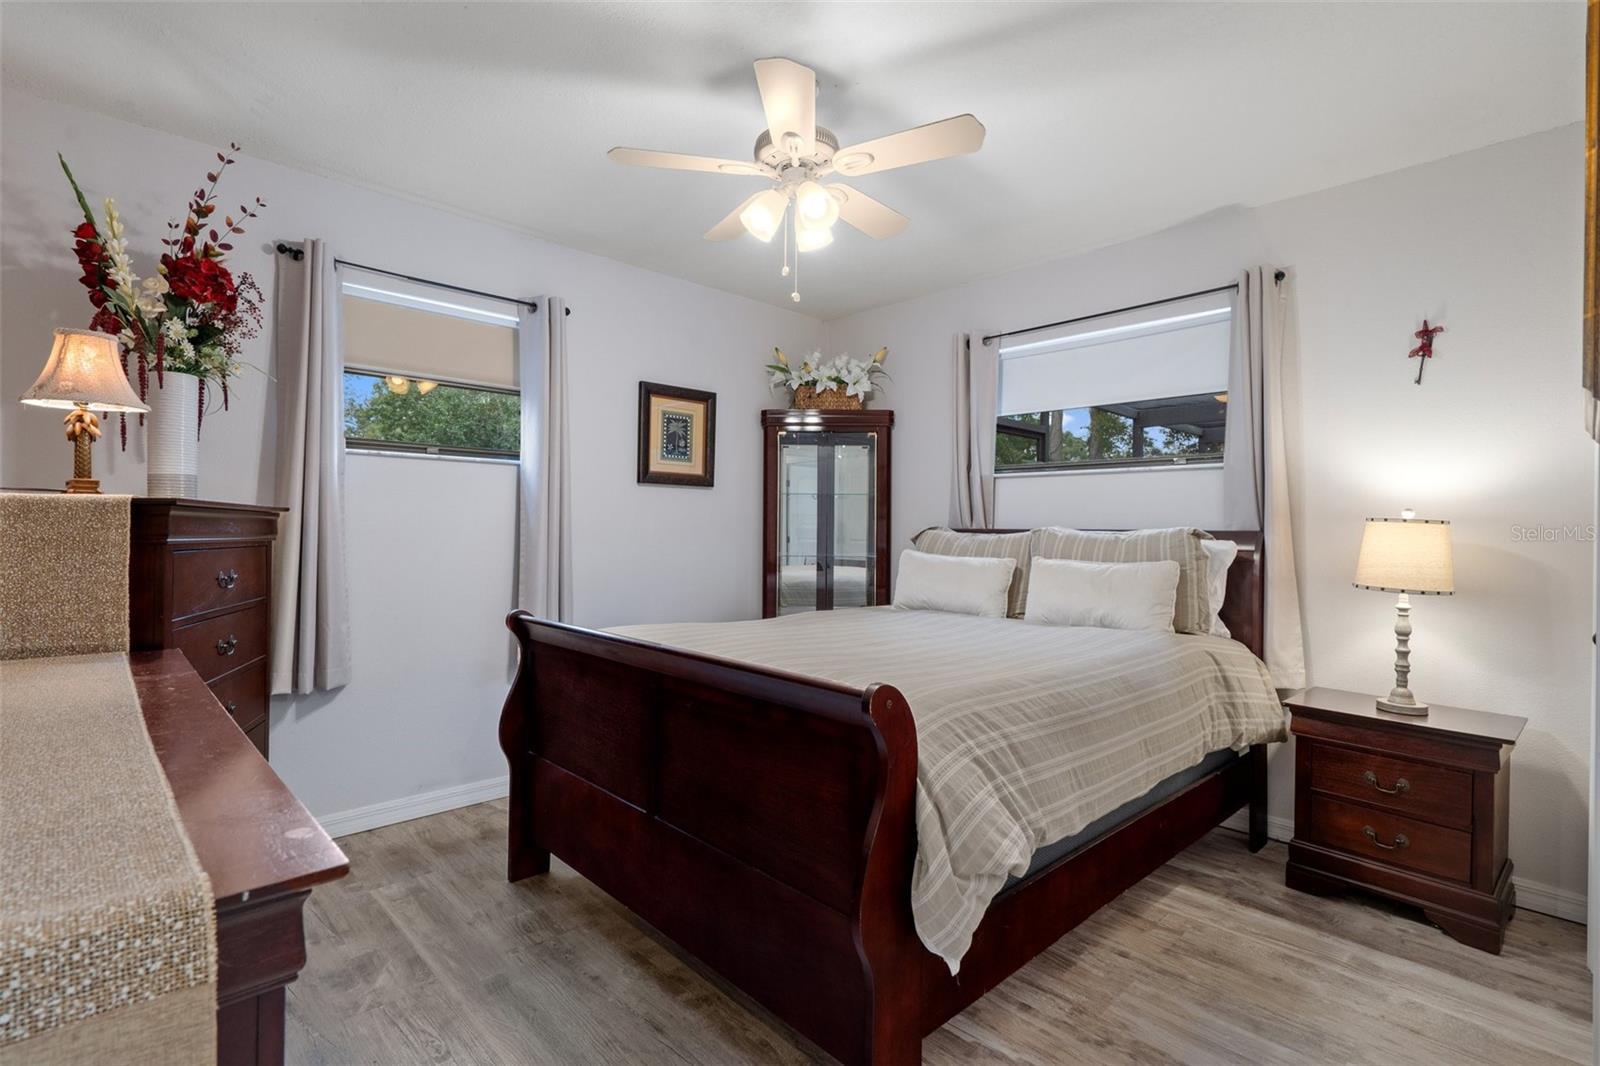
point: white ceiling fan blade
(937, 140)
(730, 227)
(643, 157)
(789, 97)
(867, 214)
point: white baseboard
(1531, 895)
(1556, 902)
(377, 815)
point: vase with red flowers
(181, 330)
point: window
(1138, 388)
(427, 370)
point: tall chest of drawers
(200, 580)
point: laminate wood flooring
(424, 954)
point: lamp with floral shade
(83, 375)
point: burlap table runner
(63, 574)
(107, 929)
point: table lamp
(83, 375)
(1410, 556)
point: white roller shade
(432, 334)
(1175, 349)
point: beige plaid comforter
(1026, 733)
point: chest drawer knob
(1400, 785)
(227, 578)
(229, 646)
(1400, 840)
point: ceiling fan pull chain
(795, 295)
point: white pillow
(1219, 557)
(1066, 592)
(953, 583)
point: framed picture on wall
(677, 435)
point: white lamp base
(1396, 707)
(1400, 699)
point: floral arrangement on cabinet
(193, 315)
(818, 384)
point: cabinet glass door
(799, 559)
(827, 521)
(852, 570)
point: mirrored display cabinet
(826, 513)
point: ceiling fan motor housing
(776, 156)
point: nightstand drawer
(1417, 790)
(1390, 838)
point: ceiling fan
(795, 154)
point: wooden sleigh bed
(764, 822)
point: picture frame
(677, 435)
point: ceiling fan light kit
(794, 153)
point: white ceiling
(1106, 121)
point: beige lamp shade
(84, 371)
(1409, 555)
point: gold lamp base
(82, 428)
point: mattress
(1026, 733)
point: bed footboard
(760, 820)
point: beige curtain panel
(544, 486)
(1591, 238)
(977, 371)
(311, 627)
(1255, 465)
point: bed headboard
(1243, 610)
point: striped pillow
(1192, 613)
(938, 540)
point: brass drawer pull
(1400, 840)
(1400, 785)
(229, 646)
(227, 578)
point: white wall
(1490, 244)
(430, 541)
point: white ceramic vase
(172, 435)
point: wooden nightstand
(1413, 808)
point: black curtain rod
(991, 338)
(297, 254)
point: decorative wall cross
(1424, 351)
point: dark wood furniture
(261, 849)
(764, 821)
(200, 580)
(825, 506)
(1413, 808)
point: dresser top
(1440, 720)
(249, 831)
(205, 505)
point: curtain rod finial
(292, 252)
